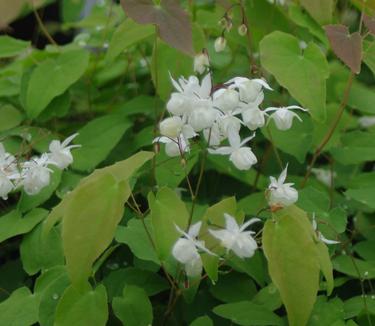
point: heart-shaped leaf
(348, 47)
(369, 23)
(172, 21)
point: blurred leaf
(10, 47)
(133, 308)
(369, 23)
(326, 313)
(202, 321)
(303, 73)
(369, 55)
(10, 117)
(172, 21)
(320, 10)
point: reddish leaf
(348, 47)
(369, 23)
(172, 21)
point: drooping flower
(6, 186)
(242, 30)
(171, 127)
(281, 193)
(201, 62)
(320, 236)
(242, 157)
(60, 154)
(186, 250)
(366, 121)
(226, 99)
(250, 89)
(253, 117)
(220, 44)
(283, 117)
(324, 176)
(235, 238)
(36, 174)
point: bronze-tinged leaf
(172, 21)
(369, 23)
(348, 47)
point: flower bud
(226, 99)
(171, 127)
(172, 149)
(253, 118)
(220, 44)
(201, 62)
(242, 29)
(243, 158)
(283, 119)
(284, 195)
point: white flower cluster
(233, 237)
(219, 116)
(33, 175)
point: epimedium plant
(145, 166)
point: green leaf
(136, 237)
(325, 265)
(20, 309)
(40, 252)
(127, 34)
(320, 10)
(354, 267)
(247, 313)
(269, 297)
(77, 308)
(10, 47)
(361, 97)
(303, 73)
(97, 139)
(369, 55)
(133, 308)
(167, 211)
(10, 117)
(52, 78)
(327, 312)
(364, 195)
(202, 321)
(233, 287)
(90, 222)
(50, 286)
(14, 223)
(151, 282)
(28, 202)
(289, 246)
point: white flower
(324, 176)
(283, 116)
(220, 44)
(320, 235)
(36, 174)
(178, 104)
(174, 146)
(171, 127)
(280, 193)
(6, 186)
(242, 157)
(230, 127)
(235, 238)
(250, 89)
(202, 118)
(253, 117)
(201, 62)
(213, 135)
(60, 154)
(366, 121)
(226, 100)
(185, 250)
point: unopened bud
(201, 62)
(220, 44)
(242, 29)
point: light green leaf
(167, 211)
(364, 195)
(20, 309)
(354, 267)
(127, 34)
(52, 78)
(320, 10)
(133, 308)
(202, 321)
(97, 139)
(136, 237)
(88, 307)
(10, 47)
(90, 222)
(303, 73)
(247, 313)
(269, 297)
(14, 223)
(10, 117)
(325, 265)
(369, 55)
(327, 312)
(289, 246)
